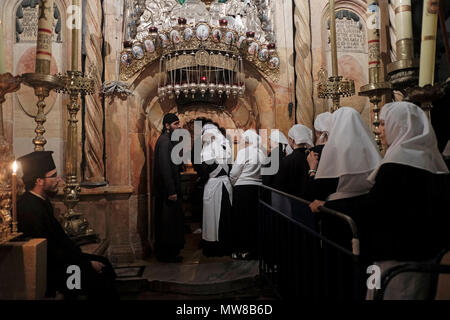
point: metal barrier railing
(433, 268)
(296, 257)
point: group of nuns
(399, 202)
(230, 193)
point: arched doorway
(256, 109)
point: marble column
(117, 142)
(93, 145)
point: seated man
(36, 220)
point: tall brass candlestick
(428, 45)
(377, 86)
(41, 80)
(75, 83)
(334, 57)
(44, 38)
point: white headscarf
(301, 134)
(253, 153)
(411, 139)
(215, 145)
(252, 138)
(277, 137)
(289, 150)
(323, 124)
(350, 154)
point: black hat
(170, 118)
(36, 164)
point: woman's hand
(313, 160)
(315, 205)
(97, 266)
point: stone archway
(256, 109)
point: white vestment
(212, 201)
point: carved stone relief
(27, 21)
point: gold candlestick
(377, 86)
(428, 44)
(75, 84)
(41, 80)
(336, 86)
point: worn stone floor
(196, 278)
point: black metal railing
(426, 275)
(301, 255)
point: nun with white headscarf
(405, 215)
(246, 177)
(348, 158)
(292, 175)
(278, 144)
(218, 193)
(322, 127)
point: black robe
(36, 220)
(404, 216)
(292, 176)
(169, 217)
(224, 245)
(268, 180)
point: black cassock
(292, 176)
(403, 217)
(169, 217)
(36, 220)
(268, 180)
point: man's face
(173, 126)
(51, 181)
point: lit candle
(428, 45)
(14, 197)
(2, 50)
(44, 38)
(75, 33)
(404, 30)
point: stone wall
(352, 52)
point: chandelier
(201, 46)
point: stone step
(238, 279)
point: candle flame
(15, 166)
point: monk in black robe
(36, 220)
(169, 217)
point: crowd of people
(399, 201)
